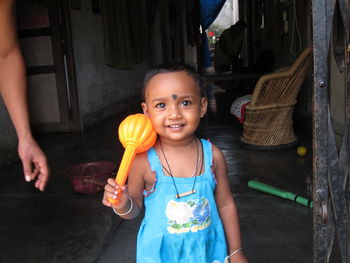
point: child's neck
(188, 142)
(177, 158)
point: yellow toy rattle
(137, 135)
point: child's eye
(160, 105)
(186, 103)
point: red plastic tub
(90, 178)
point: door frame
(330, 163)
(66, 33)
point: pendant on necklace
(185, 193)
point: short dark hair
(170, 67)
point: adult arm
(13, 92)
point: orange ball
(136, 130)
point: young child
(190, 214)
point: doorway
(44, 40)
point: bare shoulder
(218, 157)
(142, 169)
(137, 176)
(216, 151)
(220, 170)
(141, 176)
(140, 164)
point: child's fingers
(114, 192)
(125, 189)
(109, 194)
(106, 202)
(117, 190)
(109, 188)
(124, 195)
(111, 181)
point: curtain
(125, 26)
(209, 10)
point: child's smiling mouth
(175, 126)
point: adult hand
(34, 162)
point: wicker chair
(268, 120)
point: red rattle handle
(137, 135)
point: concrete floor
(62, 226)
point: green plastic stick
(279, 192)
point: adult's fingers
(42, 174)
(27, 169)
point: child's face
(174, 105)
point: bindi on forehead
(174, 96)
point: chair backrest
(281, 89)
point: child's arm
(227, 208)
(131, 201)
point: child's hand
(111, 192)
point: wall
(283, 32)
(286, 32)
(102, 90)
(8, 138)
